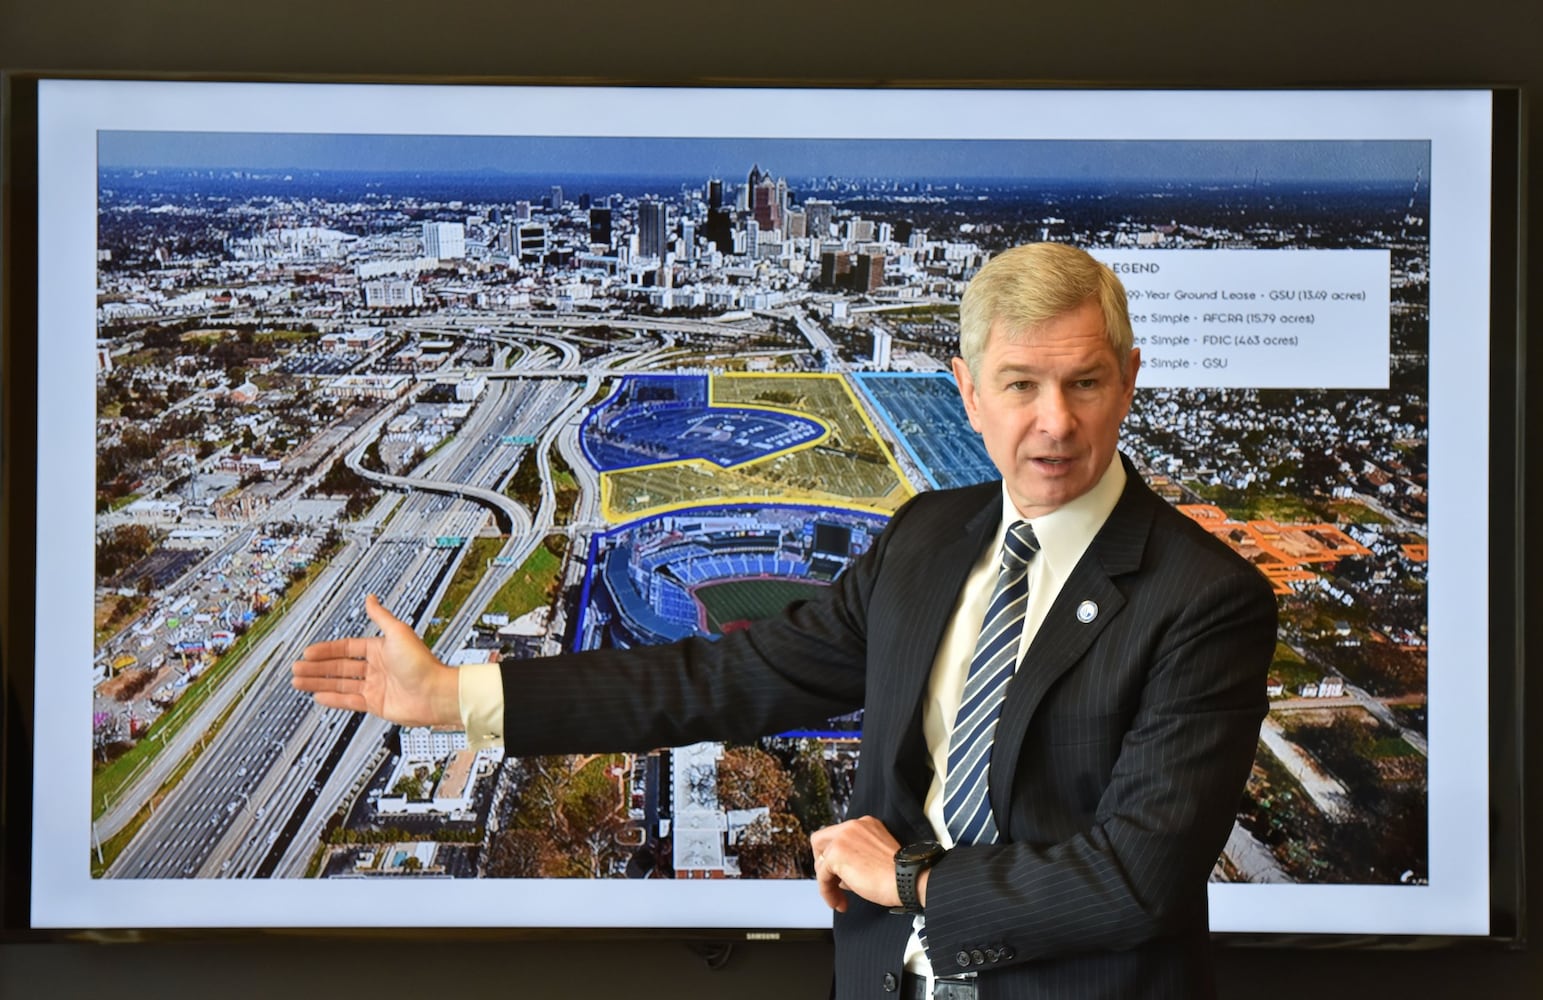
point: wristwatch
(910, 861)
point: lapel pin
(1086, 612)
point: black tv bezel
(19, 543)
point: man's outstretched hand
(393, 675)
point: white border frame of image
(70, 112)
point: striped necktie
(966, 804)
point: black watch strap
(910, 862)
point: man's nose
(1055, 416)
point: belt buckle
(953, 988)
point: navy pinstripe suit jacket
(1120, 757)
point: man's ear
(967, 392)
(1132, 366)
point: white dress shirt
(1064, 535)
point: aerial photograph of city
(544, 394)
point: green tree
(811, 801)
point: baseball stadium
(710, 571)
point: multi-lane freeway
(271, 768)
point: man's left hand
(855, 856)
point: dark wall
(1207, 42)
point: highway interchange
(266, 781)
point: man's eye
(1086, 383)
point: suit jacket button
(962, 960)
(891, 984)
(992, 955)
(1007, 953)
(977, 957)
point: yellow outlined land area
(847, 466)
(1282, 552)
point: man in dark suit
(1062, 681)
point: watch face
(920, 853)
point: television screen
(555, 368)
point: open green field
(1290, 669)
(534, 584)
(1278, 507)
(284, 336)
(473, 566)
(750, 600)
(1355, 512)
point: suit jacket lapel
(1063, 637)
(924, 619)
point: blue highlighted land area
(653, 419)
(924, 413)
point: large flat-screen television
(557, 367)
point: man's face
(1049, 406)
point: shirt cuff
(480, 690)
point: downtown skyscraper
(653, 229)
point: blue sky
(901, 159)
